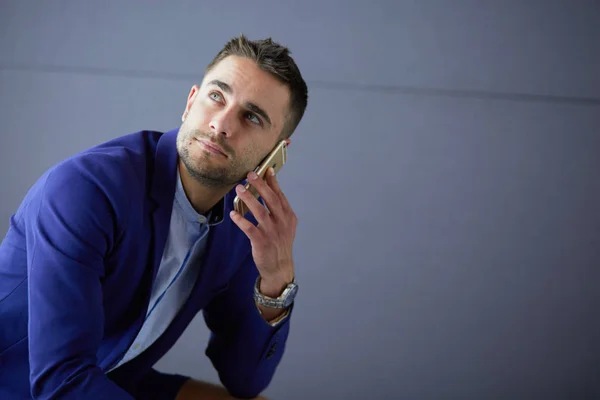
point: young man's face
(231, 122)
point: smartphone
(275, 159)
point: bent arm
(244, 348)
(70, 227)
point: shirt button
(202, 219)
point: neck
(201, 197)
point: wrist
(275, 294)
(274, 287)
(272, 315)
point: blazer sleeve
(70, 226)
(156, 385)
(243, 347)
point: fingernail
(241, 189)
(271, 171)
(253, 175)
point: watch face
(289, 299)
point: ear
(190, 100)
(288, 142)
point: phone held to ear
(275, 159)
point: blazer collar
(165, 169)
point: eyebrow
(250, 106)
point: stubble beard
(209, 176)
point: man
(114, 250)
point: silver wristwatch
(283, 301)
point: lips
(212, 147)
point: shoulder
(122, 155)
(118, 165)
(101, 177)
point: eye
(215, 96)
(253, 118)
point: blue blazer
(76, 269)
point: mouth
(211, 147)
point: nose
(223, 123)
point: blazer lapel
(219, 261)
(162, 193)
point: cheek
(199, 113)
(256, 154)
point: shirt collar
(215, 215)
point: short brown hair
(275, 59)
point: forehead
(250, 84)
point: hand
(195, 390)
(272, 239)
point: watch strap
(283, 301)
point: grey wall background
(445, 175)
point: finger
(274, 184)
(258, 210)
(271, 199)
(251, 231)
